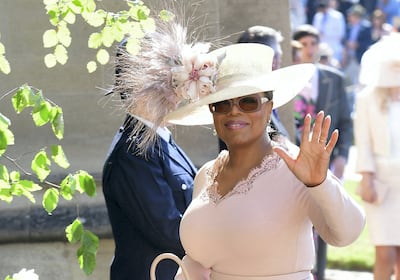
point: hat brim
(285, 82)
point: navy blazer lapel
(179, 156)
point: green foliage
(4, 64)
(6, 135)
(41, 165)
(42, 109)
(89, 244)
(110, 27)
(50, 200)
(57, 154)
(11, 184)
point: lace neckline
(269, 162)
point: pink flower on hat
(196, 77)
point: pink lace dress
(262, 229)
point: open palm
(312, 163)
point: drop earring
(214, 132)
(269, 129)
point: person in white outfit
(331, 25)
(377, 138)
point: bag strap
(165, 256)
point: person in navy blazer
(146, 196)
(358, 33)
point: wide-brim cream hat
(244, 69)
(380, 64)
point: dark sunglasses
(246, 104)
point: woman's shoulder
(367, 93)
(201, 179)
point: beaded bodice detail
(270, 162)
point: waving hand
(312, 162)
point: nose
(235, 107)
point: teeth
(235, 125)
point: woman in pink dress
(255, 205)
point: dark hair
(305, 30)
(262, 35)
(356, 10)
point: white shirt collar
(162, 131)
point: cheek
(260, 119)
(217, 123)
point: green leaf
(4, 65)
(90, 242)
(68, 187)
(91, 66)
(119, 30)
(50, 38)
(76, 6)
(40, 165)
(95, 19)
(64, 36)
(50, 60)
(86, 183)
(30, 185)
(4, 121)
(90, 5)
(50, 200)
(6, 139)
(87, 252)
(2, 48)
(57, 122)
(136, 31)
(58, 156)
(133, 46)
(95, 40)
(50, 2)
(142, 13)
(25, 188)
(166, 15)
(103, 57)
(5, 191)
(61, 54)
(24, 97)
(74, 231)
(15, 176)
(148, 25)
(108, 36)
(87, 261)
(4, 173)
(41, 114)
(69, 17)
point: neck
(249, 156)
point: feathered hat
(167, 70)
(172, 81)
(244, 69)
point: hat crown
(380, 64)
(242, 62)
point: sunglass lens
(249, 104)
(222, 106)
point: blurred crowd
(347, 28)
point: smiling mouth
(235, 125)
